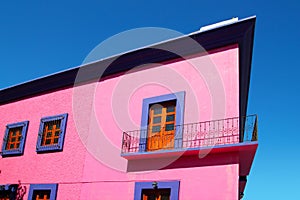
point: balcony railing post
(242, 128)
(254, 134)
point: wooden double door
(161, 126)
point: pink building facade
(166, 122)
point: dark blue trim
(20, 150)
(56, 147)
(173, 185)
(179, 97)
(51, 187)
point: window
(162, 190)
(14, 139)
(51, 133)
(42, 192)
(162, 117)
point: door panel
(161, 128)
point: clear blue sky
(42, 37)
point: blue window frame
(179, 97)
(172, 185)
(46, 189)
(52, 133)
(14, 139)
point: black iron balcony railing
(193, 135)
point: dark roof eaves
(231, 34)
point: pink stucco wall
(203, 182)
(90, 166)
(210, 83)
(66, 166)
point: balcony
(188, 137)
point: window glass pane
(48, 141)
(156, 120)
(57, 133)
(170, 118)
(155, 129)
(169, 127)
(157, 110)
(49, 134)
(170, 108)
(50, 126)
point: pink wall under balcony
(99, 112)
(205, 182)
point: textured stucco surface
(205, 182)
(57, 167)
(103, 111)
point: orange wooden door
(161, 127)
(42, 197)
(158, 194)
